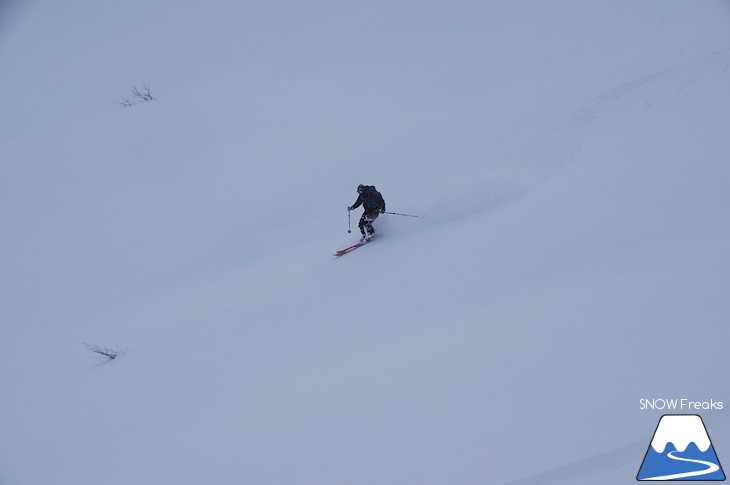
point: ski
(350, 249)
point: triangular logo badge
(680, 450)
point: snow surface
(570, 159)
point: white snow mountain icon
(681, 450)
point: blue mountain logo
(681, 450)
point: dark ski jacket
(371, 200)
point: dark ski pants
(366, 222)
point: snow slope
(570, 162)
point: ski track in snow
(651, 89)
(654, 88)
(587, 468)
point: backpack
(376, 196)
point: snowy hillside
(569, 159)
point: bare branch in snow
(108, 353)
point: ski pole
(406, 215)
(348, 222)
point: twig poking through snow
(107, 352)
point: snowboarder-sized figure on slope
(373, 204)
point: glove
(349, 208)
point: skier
(373, 204)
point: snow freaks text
(679, 405)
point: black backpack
(376, 196)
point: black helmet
(360, 189)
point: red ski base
(349, 249)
